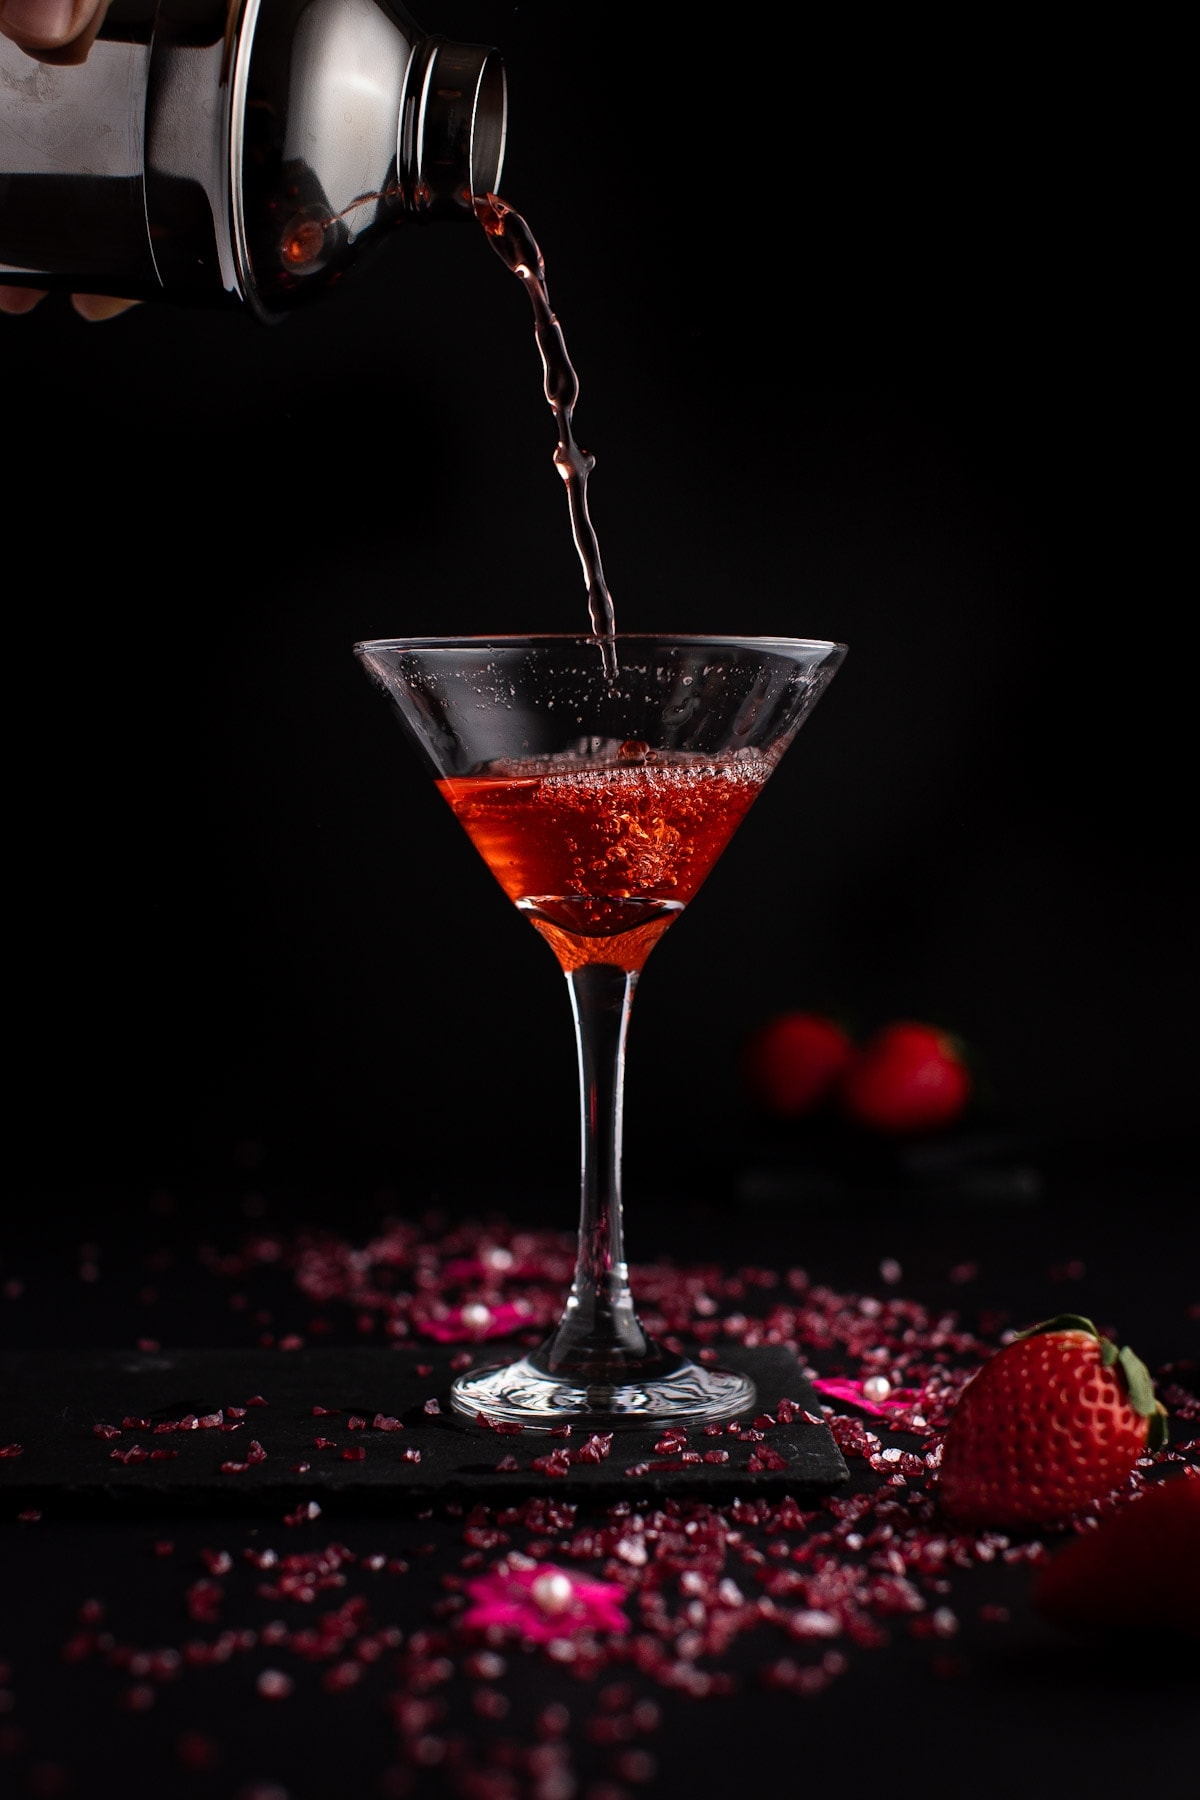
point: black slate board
(52, 1402)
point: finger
(99, 306)
(16, 300)
(58, 31)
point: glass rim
(549, 639)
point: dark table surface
(309, 1639)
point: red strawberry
(907, 1078)
(792, 1064)
(1138, 1570)
(1054, 1422)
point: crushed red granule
(798, 1590)
(273, 1684)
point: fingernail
(41, 22)
(99, 306)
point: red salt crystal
(386, 1422)
(304, 1513)
(273, 1684)
(12, 1449)
(291, 1342)
(786, 1411)
(562, 1431)
(716, 1456)
(210, 1421)
(713, 1430)
(203, 1599)
(234, 1468)
(235, 1412)
(431, 1408)
(166, 1425)
(356, 1453)
(256, 1400)
(556, 1463)
(301, 1468)
(594, 1449)
(354, 1423)
(162, 1455)
(814, 1418)
(106, 1431)
(410, 1455)
(325, 1412)
(135, 1424)
(490, 1704)
(424, 1368)
(255, 1452)
(342, 1676)
(764, 1422)
(196, 1751)
(324, 1443)
(462, 1359)
(217, 1562)
(507, 1465)
(189, 1422)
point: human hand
(55, 31)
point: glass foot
(519, 1393)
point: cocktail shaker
(244, 151)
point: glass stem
(600, 1332)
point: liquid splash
(515, 245)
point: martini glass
(600, 778)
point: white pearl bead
(476, 1316)
(553, 1592)
(877, 1388)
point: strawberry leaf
(1140, 1389)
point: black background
(878, 337)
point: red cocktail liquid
(593, 854)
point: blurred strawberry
(1138, 1570)
(907, 1078)
(1053, 1423)
(792, 1064)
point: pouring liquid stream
(514, 243)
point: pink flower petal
(899, 1400)
(544, 1603)
(474, 1321)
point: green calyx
(1132, 1372)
